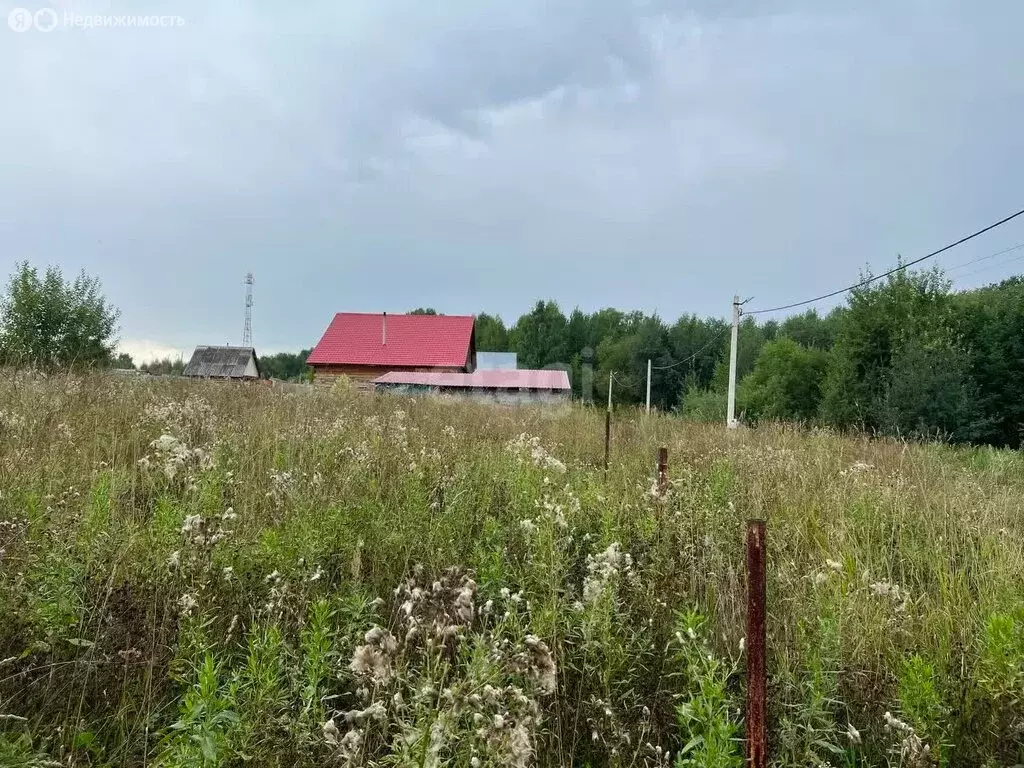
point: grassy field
(208, 575)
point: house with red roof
(364, 346)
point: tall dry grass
(202, 574)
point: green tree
(642, 338)
(539, 338)
(704, 405)
(989, 322)
(168, 366)
(123, 360)
(54, 323)
(578, 334)
(697, 345)
(812, 330)
(423, 311)
(583, 335)
(750, 338)
(929, 393)
(880, 318)
(785, 384)
(491, 334)
(287, 366)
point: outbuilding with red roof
(508, 386)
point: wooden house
(365, 346)
(234, 363)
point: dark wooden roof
(221, 363)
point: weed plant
(202, 574)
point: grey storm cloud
(478, 156)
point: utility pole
(731, 422)
(247, 329)
(648, 385)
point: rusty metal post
(607, 439)
(608, 424)
(757, 736)
(662, 471)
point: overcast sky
(476, 156)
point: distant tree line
(165, 366)
(905, 356)
(287, 366)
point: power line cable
(894, 270)
(991, 266)
(717, 338)
(986, 257)
(725, 330)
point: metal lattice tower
(247, 331)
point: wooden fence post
(757, 737)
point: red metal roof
(355, 338)
(500, 379)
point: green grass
(332, 578)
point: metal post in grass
(608, 424)
(757, 738)
(648, 386)
(662, 471)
